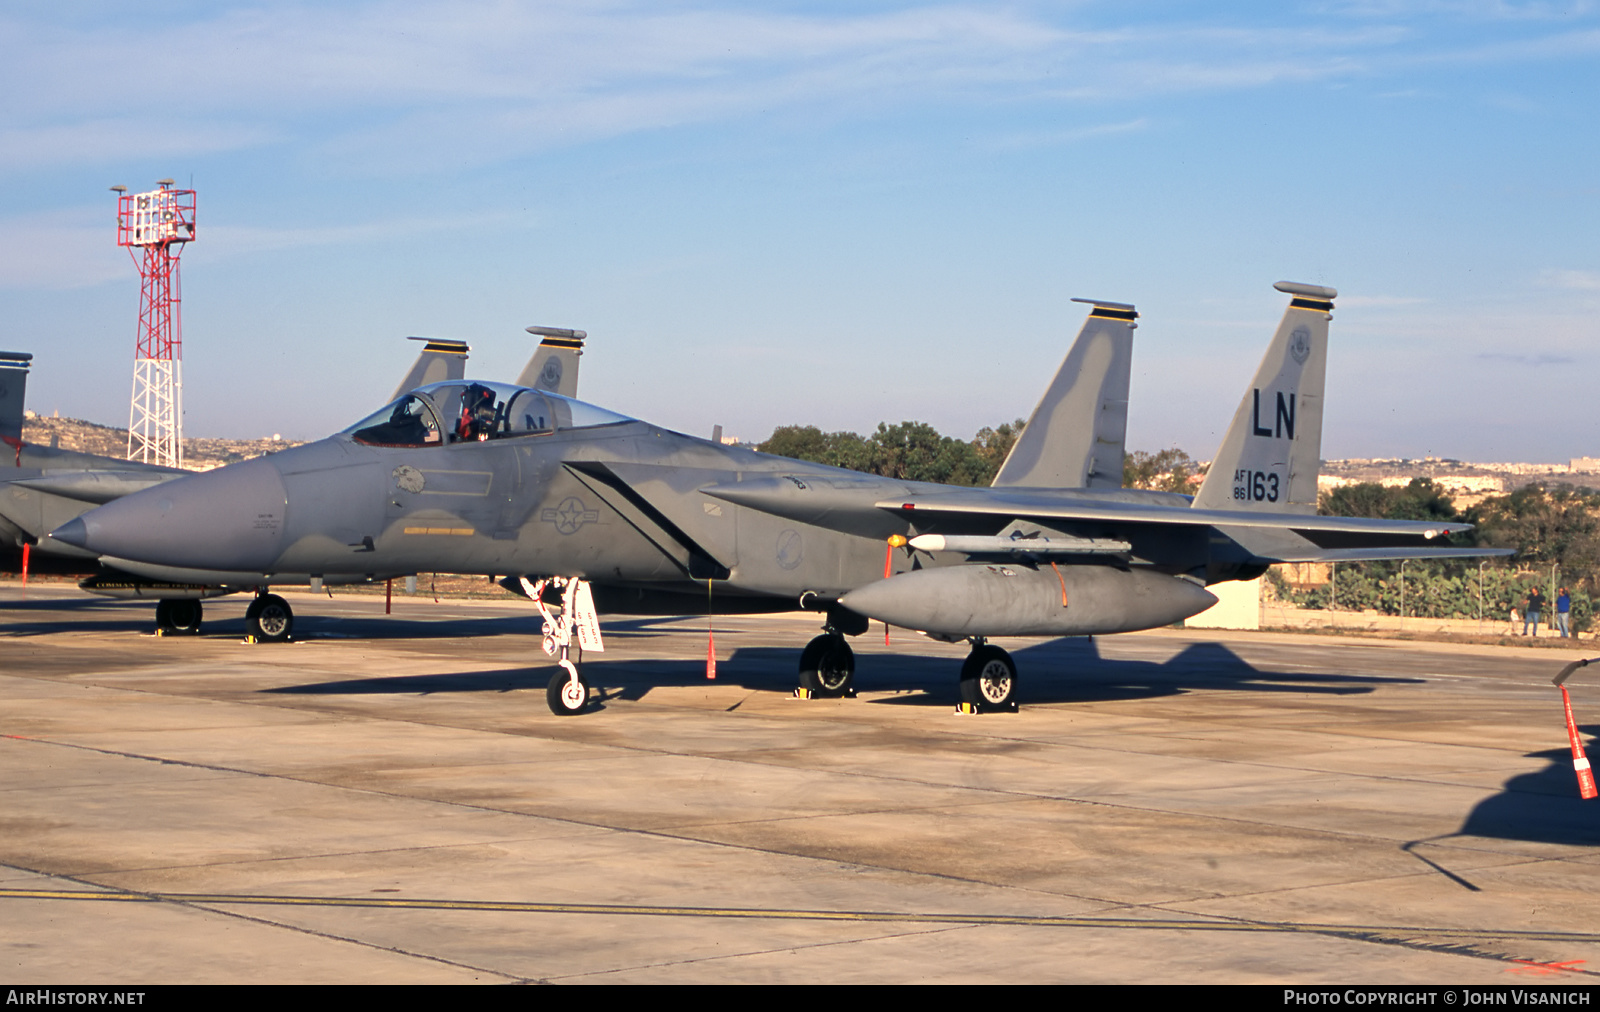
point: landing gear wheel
(177, 618)
(828, 667)
(566, 697)
(269, 619)
(989, 679)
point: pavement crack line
(197, 902)
(678, 834)
(1459, 941)
(693, 960)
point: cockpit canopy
(475, 411)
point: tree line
(915, 451)
(1554, 530)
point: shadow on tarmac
(49, 615)
(1543, 806)
(1059, 671)
(42, 616)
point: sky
(832, 214)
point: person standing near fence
(1564, 613)
(1530, 611)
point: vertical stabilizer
(554, 365)
(1075, 437)
(1273, 450)
(438, 361)
(13, 391)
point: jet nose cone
(73, 532)
(232, 518)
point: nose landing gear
(567, 694)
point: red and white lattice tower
(161, 223)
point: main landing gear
(269, 619)
(567, 694)
(178, 617)
(827, 667)
(988, 680)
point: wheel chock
(801, 692)
(969, 708)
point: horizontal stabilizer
(1268, 546)
(1396, 554)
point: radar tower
(161, 223)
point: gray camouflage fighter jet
(612, 514)
(46, 487)
(1077, 439)
(42, 487)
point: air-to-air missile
(582, 504)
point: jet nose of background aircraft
(231, 519)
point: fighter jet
(1076, 440)
(52, 486)
(44, 487)
(612, 514)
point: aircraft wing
(857, 505)
(97, 487)
(1390, 554)
(1041, 506)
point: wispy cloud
(62, 249)
(1530, 360)
(1379, 301)
(110, 139)
(230, 240)
(1578, 281)
(76, 248)
(444, 84)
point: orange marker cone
(711, 639)
(1580, 762)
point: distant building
(1585, 465)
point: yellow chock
(802, 693)
(966, 708)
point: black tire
(828, 667)
(269, 619)
(178, 617)
(989, 679)
(562, 703)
